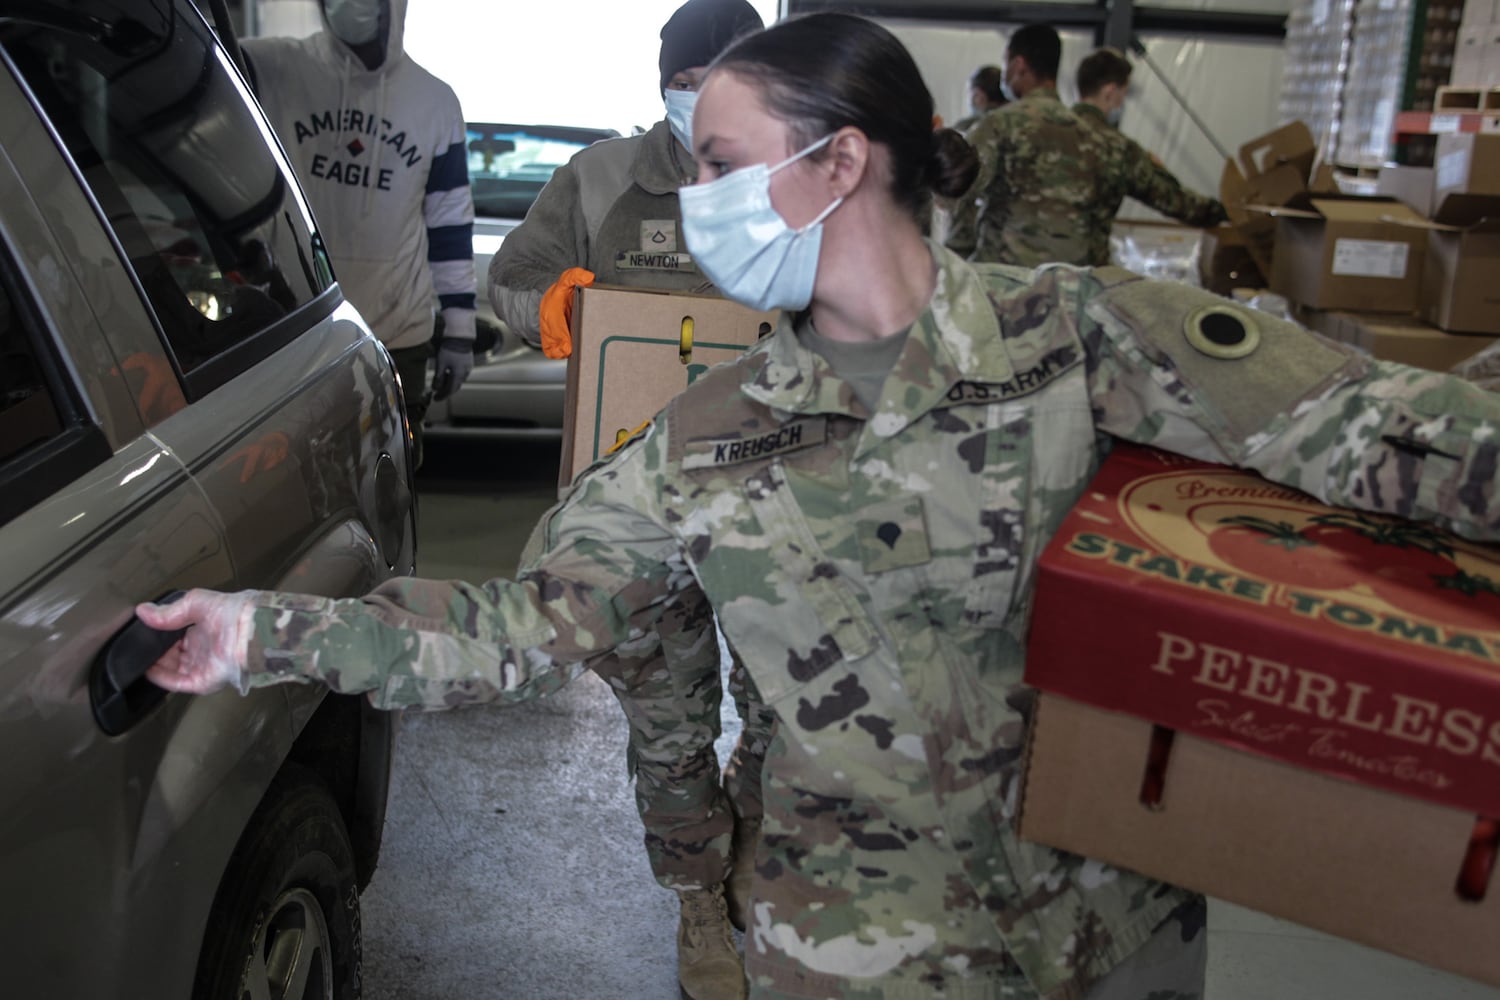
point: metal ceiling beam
(1113, 22)
(1181, 21)
(974, 12)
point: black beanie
(700, 30)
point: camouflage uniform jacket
(612, 209)
(1131, 171)
(875, 570)
(1038, 169)
(960, 216)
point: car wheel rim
(291, 956)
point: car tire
(285, 921)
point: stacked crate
(1476, 60)
(1430, 64)
(1318, 40)
(1372, 92)
(1401, 53)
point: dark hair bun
(953, 165)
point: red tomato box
(1275, 702)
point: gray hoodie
(382, 154)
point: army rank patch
(659, 235)
(1221, 332)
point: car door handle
(119, 691)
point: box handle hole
(1479, 859)
(1154, 780)
(685, 341)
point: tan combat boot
(742, 869)
(708, 966)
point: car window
(508, 164)
(28, 413)
(155, 120)
(46, 437)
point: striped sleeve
(448, 209)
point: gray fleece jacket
(612, 209)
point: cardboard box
(1271, 169)
(1409, 185)
(1466, 163)
(629, 360)
(1224, 261)
(1489, 69)
(1366, 865)
(1347, 252)
(1468, 55)
(1461, 283)
(1335, 707)
(1403, 339)
(1479, 12)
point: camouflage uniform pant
(1169, 966)
(670, 686)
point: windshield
(508, 164)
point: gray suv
(185, 400)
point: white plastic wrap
(1166, 253)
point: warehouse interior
(1098, 604)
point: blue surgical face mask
(1113, 116)
(680, 114)
(353, 22)
(744, 246)
(1007, 93)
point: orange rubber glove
(557, 311)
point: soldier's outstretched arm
(1194, 373)
(1153, 184)
(607, 571)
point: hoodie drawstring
(379, 137)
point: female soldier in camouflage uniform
(863, 497)
(612, 211)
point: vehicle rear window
(28, 413)
(198, 196)
(509, 164)
(46, 438)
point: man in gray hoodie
(379, 144)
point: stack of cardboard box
(1272, 170)
(1407, 274)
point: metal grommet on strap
(1222, 332)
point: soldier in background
(864, 498)
(1038, 166)
(1131, 171)
(957, 221)
(986, 94)
(1049, 184)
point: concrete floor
(512, 866)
